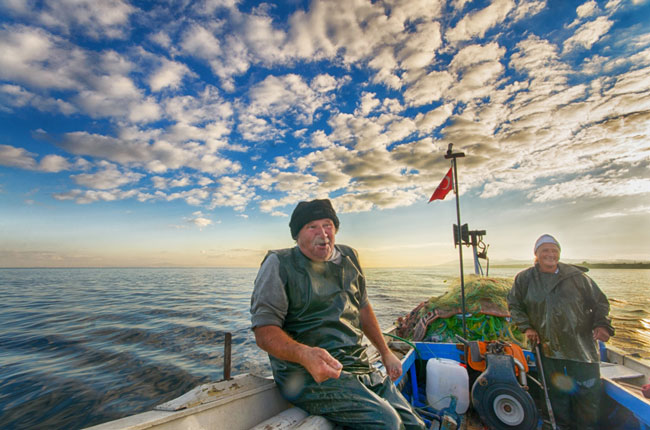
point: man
(560, 308)
(310, 311)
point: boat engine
(501, 400)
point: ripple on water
(84, 346)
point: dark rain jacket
(564, 314)
(325, 300)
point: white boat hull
(250, 402)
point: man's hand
(601, 333)
(532, 336)
(320, 364)
(317, 361)
(392, 364)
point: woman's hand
(601, 333)
(532, 336)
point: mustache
(320, 242)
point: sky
(183, 133)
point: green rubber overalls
(324, 310)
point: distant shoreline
(506, 265)
(587, 265)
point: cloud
(99, 83)
(15, 96)
(200, 42)
(476, 24)
(639, 210)
(35, 58)
(231, 192)
(231, 47)
(199, 220)
(363, 202)
(433, 119)
(348, 99)
(91, 196)
(107, 178)
(420, 48)
(288, 94)
(193, 197)
(105, 19)
(277, 97)
(587, 9)
(112, 93)
(588, 34)
(18, 157)
(528, 8)
(591, 187)
(165, 183)
(157, 157)
(170, 74)
(428, 89)
(53, 163)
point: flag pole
(453, 156)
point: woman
(560, 308)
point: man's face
(316, 239)
(548, 255)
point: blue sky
(179, 133)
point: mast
(453, 156)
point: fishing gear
(551, 416)
(498, 396)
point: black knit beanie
(307, 212)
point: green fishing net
(439, 319)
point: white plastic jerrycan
(446, 378)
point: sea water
(83, 346)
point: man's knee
(387, 418)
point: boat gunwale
(157, 417)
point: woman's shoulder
(525, 273)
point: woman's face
(548, 255)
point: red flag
(443, 189)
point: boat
(253, 402)
(466, 385)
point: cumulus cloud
(91, 196)
(590, 187)
(277, 97)
(199, 220)
(476, 24)
(105, 19)
(193, 197)
(99, 82)
(348, 99)
(639, 210)
(107, 178)
(231, 192)
(18, 157)
(157, 157)
(15, 96)
(36, 58)
(201, 42)
(53, 163)
(588, 34)
(169, 74)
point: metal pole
(477, 266)
(453, 157)
(226, 356)
(551, 415)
